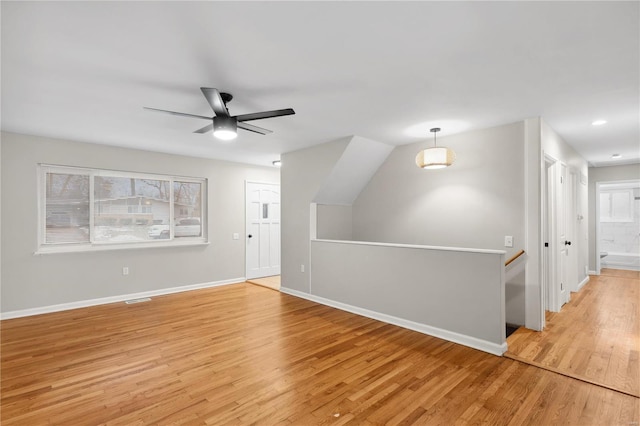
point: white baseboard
(114, 299)
(450, 336)
(593, 273)
(586, 280)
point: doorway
(559, 260)
(618, 225)
(262, 239)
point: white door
(262, 230)
(563, 242)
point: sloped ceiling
(387, 71)
(353, 170)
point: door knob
(249, 236)
(567, 243)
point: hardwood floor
(595, 337)
(243, 354)
(272, 282)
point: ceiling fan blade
(183, 114)
(254, 129)
(265, 114)
(205, 129)
(215, 100)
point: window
(187, 205)
(616, 206)
(66, 208)
(90, 208)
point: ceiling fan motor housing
(225, 127)
(226, 97)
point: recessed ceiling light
(277, 163)
(599, 122)
(616, 156)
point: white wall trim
(594, 273)
(413, 246)
(450, 336)
(114, 299)
(582, 283)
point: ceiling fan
(224, 125)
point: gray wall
(425, 286)
(303, 174)
(474, 203)
(515, 300)
(334, 222)
(604, 174)
(30, 281)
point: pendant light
(437, 157)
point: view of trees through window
(125, 208)
(187, 208)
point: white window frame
(44, 247)
(617, 219)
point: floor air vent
(142, 299)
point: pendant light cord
(435, 131)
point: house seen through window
(87, 206)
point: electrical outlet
(508, 241)
(301, 268)
(125, 270)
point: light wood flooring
(595, 337)
(243, 354)
(272, 282)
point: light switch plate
(508, 241)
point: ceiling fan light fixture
(225, 128)
(437, 157)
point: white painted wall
(30, 281)
(533, 167)
(604, 174)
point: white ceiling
(386, 71)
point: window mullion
(171, 211)
(42, 205)
(91, 206)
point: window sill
(87, 248)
